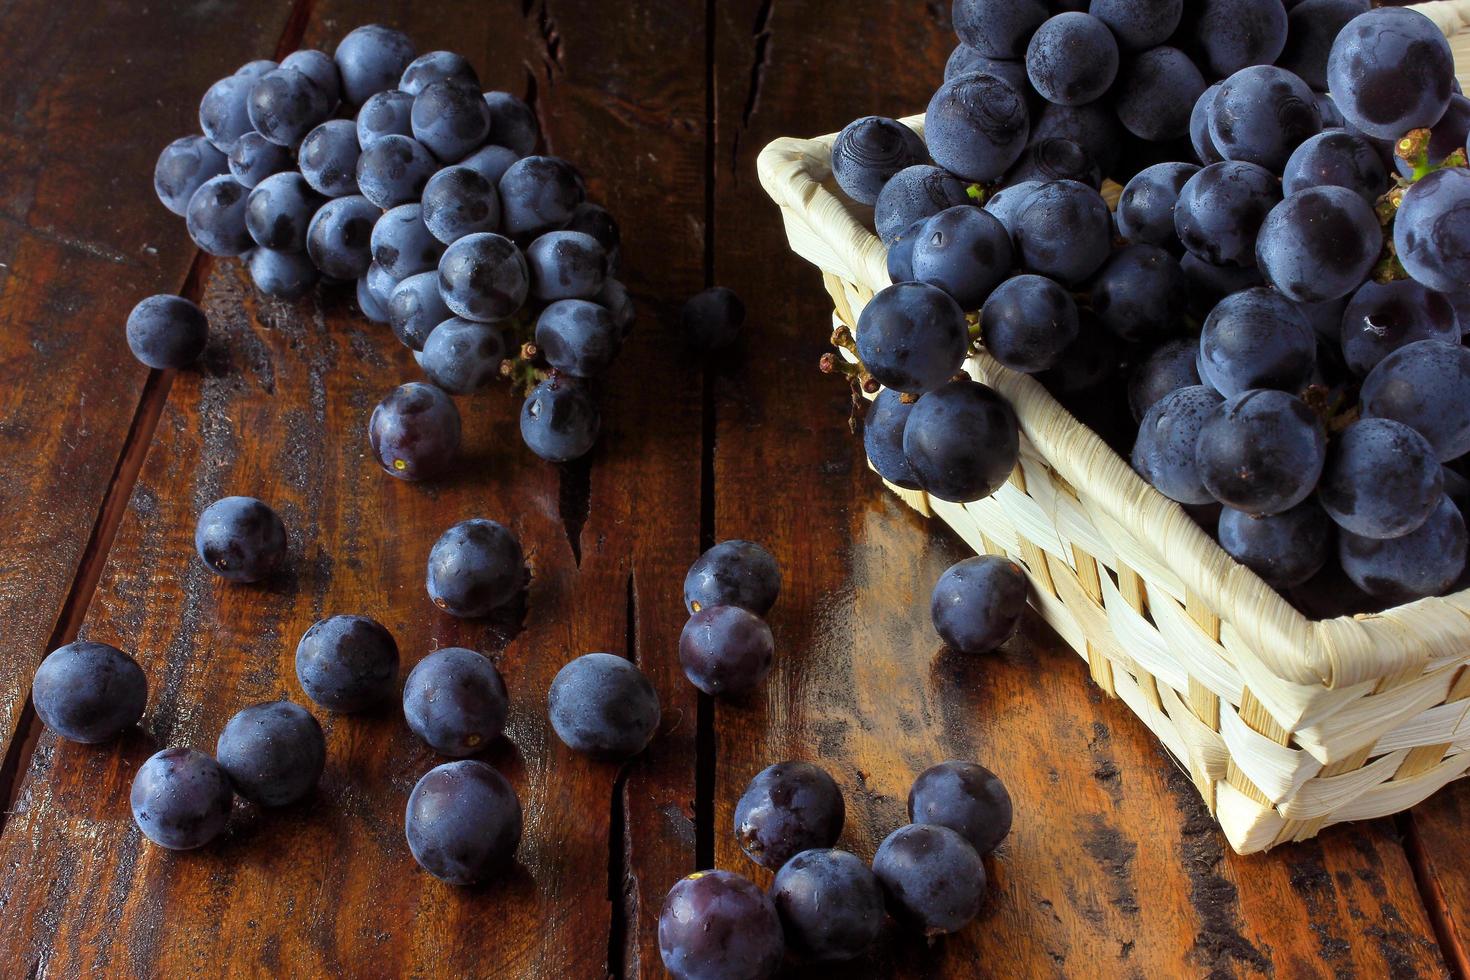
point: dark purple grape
(216, 217)
(711, 320)
(976, 126)
(387, 113)
(285, 105)
(450, 119)
(1429, 231)
(1146, 207)
(1261, 451)
(463, 822)
(273, 752)
(491, 162)
(182, 168)
(1072, 59)
(1261, 114)
(402, 244)
(279, 210)
(455, 700)
(1221, 208)
(539, 194)
(1326, 318)
(368, 300)
(415, 308)
(347, 663)
(733, 573)
(1311, 27)
(1327, 109)
(962, 441)
(1164, 453)
(1054, 158)
(964, 251)
(726, 651)
(788, 808)
(1425, 562)
(370, 60)
(393, 169)
(1445, 136)
(1381, 480)
(181, 799)
(830, 905)
(240, 539)
(998, 28)
(484, 277)
(1319, 244)
(1382, 317)
(934, 880)
(512, 123)
(1209, 283)
(1256, 339)
(1065, 232)
(1234, 34)
(1006, 204)
(1139, 24)
(717, 925)
(284, 275)
(594, 219)
(1337, 158)
(614, 298)
(224, 112)
(1139, 294)
(1093, 127)
(559, 420)
(900, 258)
(459, 201)
(604, 706)
(89, 692)
(462, 356)
(1284, 549)
(566, 265)
(883, 438)
(978, 603)
(965, 60)
(415, 431)
(328, 158)
(167, 332)
(1205, 150)
(1170, 367)
(438, 67)
(912, 337)
(965, 797)
(1390, 71)
(1426, 386)
(577, 337)
(1087, 362)
(913, 194)
(340, 236)
(256, 68)
(379, 285)
(255, 158)
(1156, 93)
(871, 150)
(1026, 324)
(320, 68)
(475, 568)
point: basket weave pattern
(1285, 724)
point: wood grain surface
(1114, 868)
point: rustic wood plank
(1114, 867)
(90, 94)
(1436, 837)
(329, 887)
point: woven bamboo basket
(1284, 723)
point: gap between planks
(1441, 917)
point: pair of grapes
(825, 904)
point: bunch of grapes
(825, 904)
(1271, 321)
(398, 174)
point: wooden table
(1114, 867)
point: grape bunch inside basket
(1286, 724)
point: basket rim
(1335, 652)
